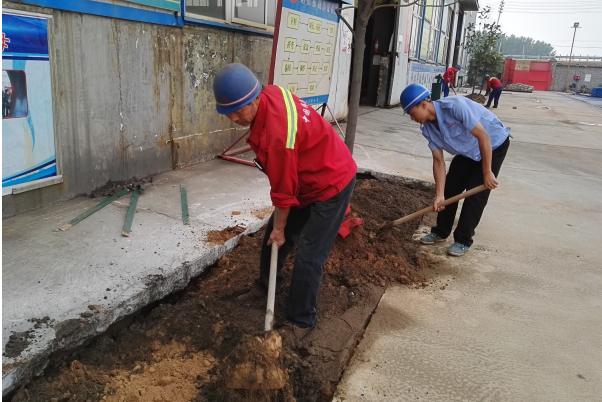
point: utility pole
(498, 23)
(500, 12)
(575, 26)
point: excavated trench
(176, 349)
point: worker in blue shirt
(478, 139)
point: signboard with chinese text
(304, 48)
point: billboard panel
(304, 49)
(28, 151)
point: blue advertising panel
(28, 151)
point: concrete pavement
(519, 317)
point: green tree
(514, 45)
(481, 43)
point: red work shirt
(493, 83)
(302, 155)
(449, 75)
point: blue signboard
(28, 150)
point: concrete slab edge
(73, 332)
(398, 178)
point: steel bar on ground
(98, 207)
(127, 225)
(185, 217)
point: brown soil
(17, 343)
(218, 237)
(477, 98)
(184, 348)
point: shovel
(257, 365)
(431, 209)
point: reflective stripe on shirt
(291, 117)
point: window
(208, 8)
(445, 33)
(428, 11)
(424, 45)
(414, 36)
(256, 13)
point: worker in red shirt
(495, 87)
(311, 174)
(449, 77)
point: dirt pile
(477, 98)
(218, 237)
(176, 350)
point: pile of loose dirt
(477, 98)
(218, 237)
(176, 350)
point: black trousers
(495, 96)
(313, 229)
(464, 174)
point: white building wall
(400, 72)
(339, 86)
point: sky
(551, 21)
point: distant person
(448, 79)
(478, 139)
(494, 89)
(5, 103)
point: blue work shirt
(457, 117)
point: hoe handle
(430, 208)
(269, 315)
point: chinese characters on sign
(305, 48)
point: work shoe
(457, 249)
(431, 238)
(293, 333)
(251, 295)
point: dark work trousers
(464, 174)
(445, 89)
(495, 96)
(313, 229)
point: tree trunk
(476, 73)
(365, 8)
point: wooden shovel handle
(431, 209)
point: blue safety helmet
(413, 95)
(459, 67)
(235, 86)
(486, 76)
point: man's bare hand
(436, 201)
(490, 181)
(277, 236)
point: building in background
(124, 90)
(413, 45)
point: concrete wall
(579, 68)
(134, 99)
